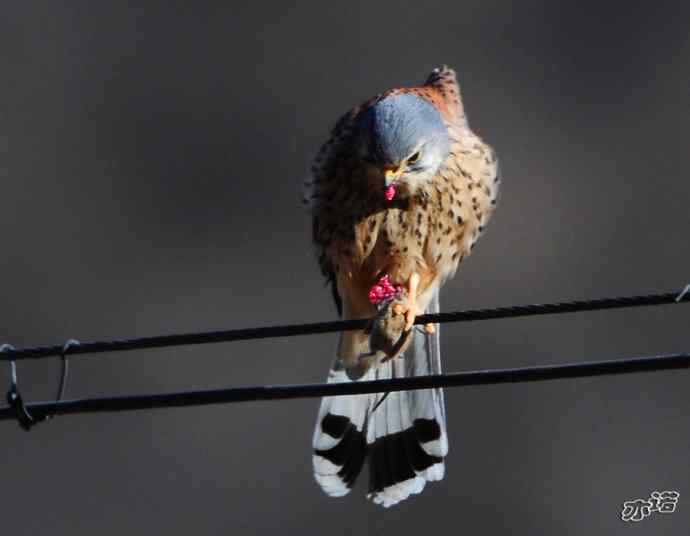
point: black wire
(342, 325)
(284, 392)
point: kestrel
(398, 195)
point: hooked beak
(392, 175)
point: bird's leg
(412, 310)
(411, 313)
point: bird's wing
(333, 163)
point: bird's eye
(414, 158)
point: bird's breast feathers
(429, 232)
(361, 234)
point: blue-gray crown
(397, 126)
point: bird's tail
(403, 433)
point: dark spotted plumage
(446, 184)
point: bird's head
(404, 138)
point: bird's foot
(410, 309)
(410, 312)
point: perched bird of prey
(398, 196)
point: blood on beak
(392, 175)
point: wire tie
(62, 386)
(65, 367)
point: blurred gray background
(151, 167)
